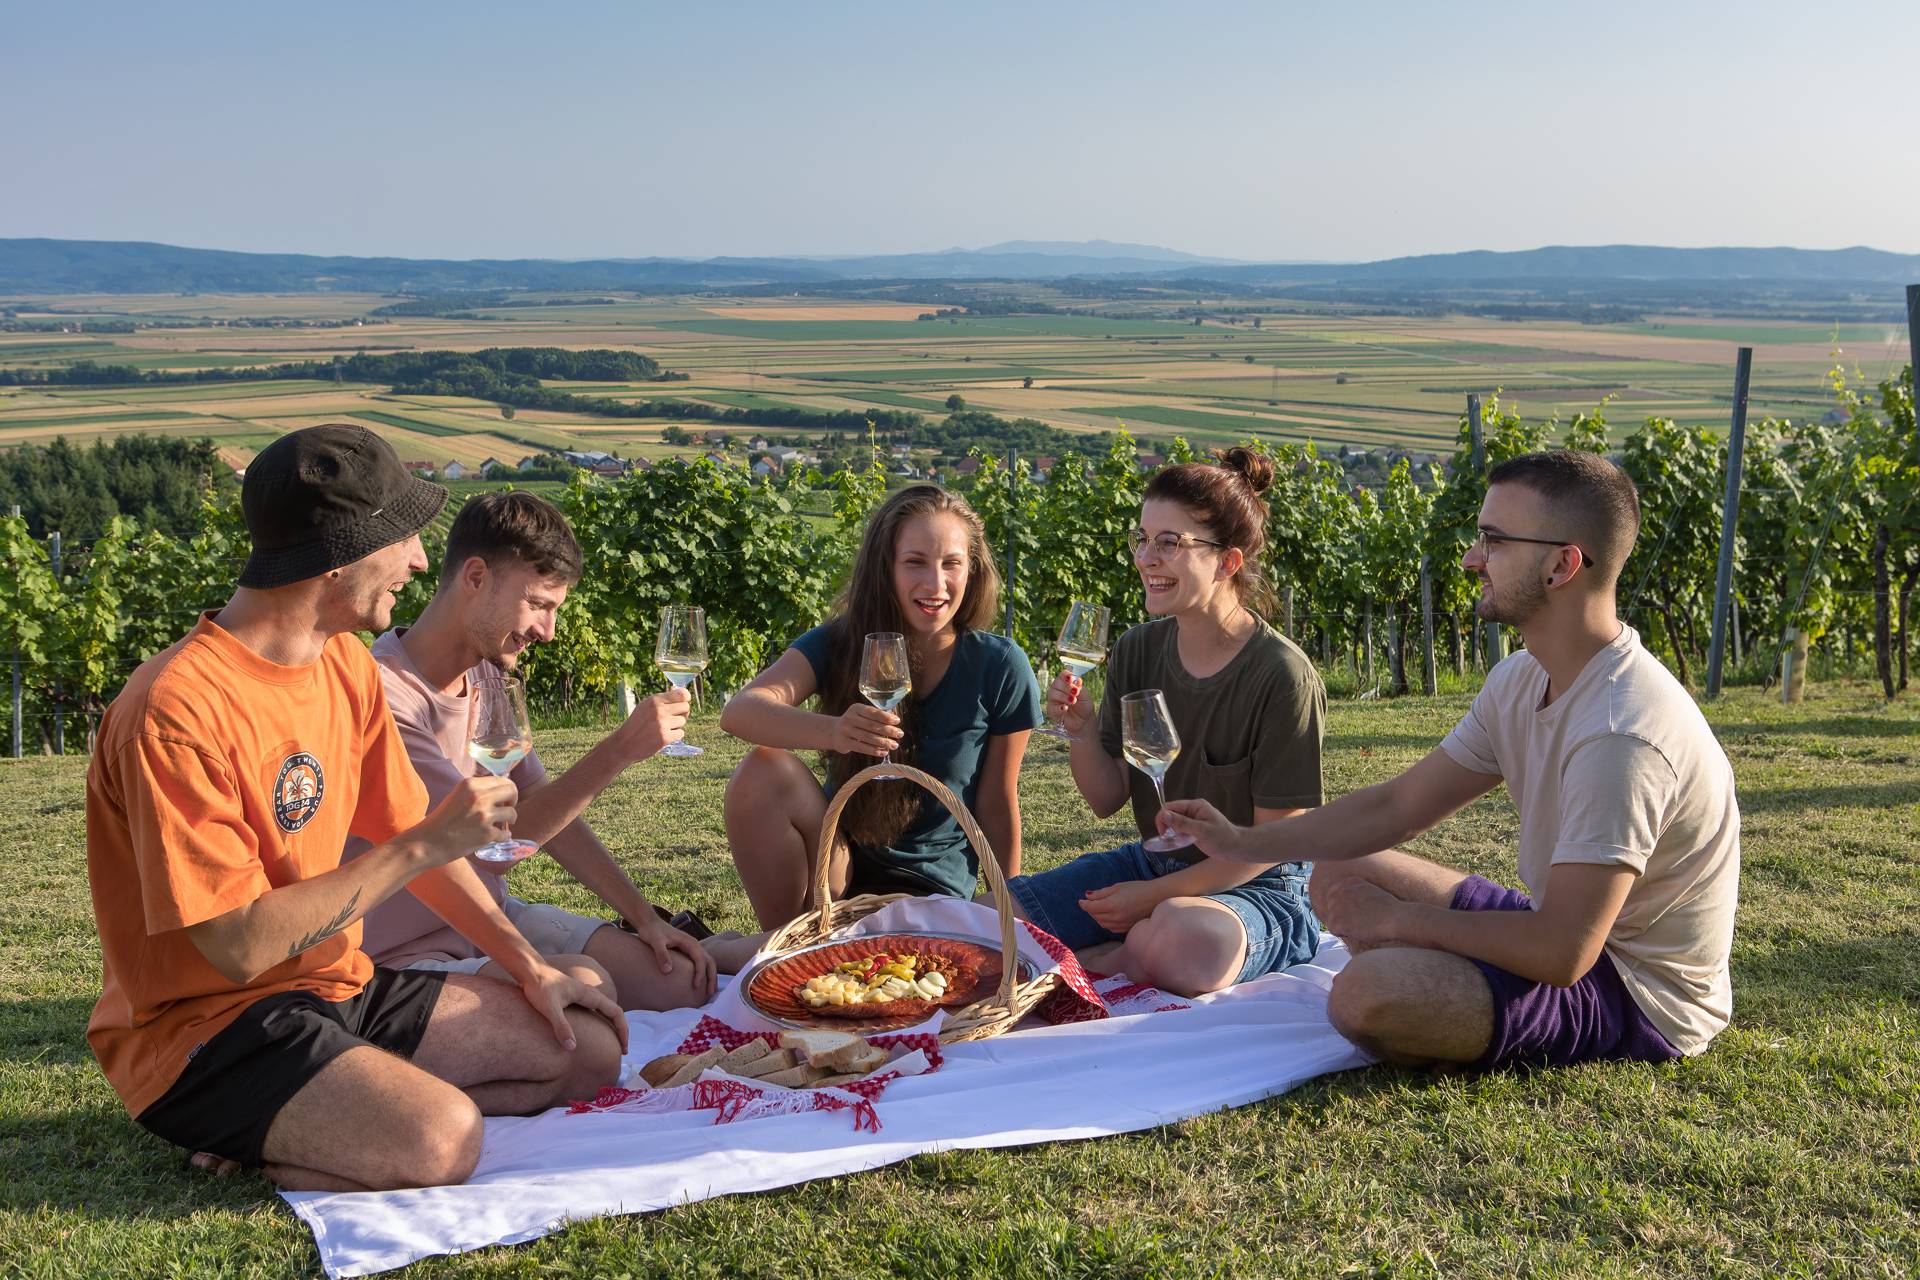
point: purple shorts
(1536, 1023)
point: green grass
(103, 419)
(420, 425)
(924, 373)
(1789, 1149)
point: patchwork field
(1335, 379)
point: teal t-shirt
(988, 691)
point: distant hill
(103, 266)
(1601, 262)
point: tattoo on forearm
(328, 929)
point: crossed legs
(372, 1121)
(1408, 1006)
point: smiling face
(1186, 580)
(507, 608)
(930, 568)
(361, 598)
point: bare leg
(487, 1041)
(773, 810)
(1413, 1007)
(485, 1051)
(629, 973)
(1406, 877)
(1188, 946)
(731, 951)
(429, 1132)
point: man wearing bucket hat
(239, 1017)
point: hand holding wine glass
(499, 736)
(886, 676)
(1082, 647)
(1151, 744)
(681, 655)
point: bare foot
(218, 1166)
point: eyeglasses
(1489, 539)
(1168, 543)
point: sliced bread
(833, 1050)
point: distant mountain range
(30, 266)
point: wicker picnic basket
(987, 1017)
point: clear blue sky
(1249, 130)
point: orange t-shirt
(217, 777)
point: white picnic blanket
(1037, 1084)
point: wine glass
(1083, 645)
(499, 735)
(681, 654)
(886, 678)
(1150, 744)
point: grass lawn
(1792, 1148)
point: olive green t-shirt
(1249, 734)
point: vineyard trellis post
(1013, 532)
(1913, 352)
(59, 716)
(1729, 520)
(1429, 673)
(1495, 639)
(16, 674)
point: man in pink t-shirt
(510, 562)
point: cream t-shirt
(1622, 769)
(433, 725)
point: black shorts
(227, 1098)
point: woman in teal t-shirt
(924, 571)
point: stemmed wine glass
(886, 678)
(1083, 645)
(499, 735)
(681, 654)
(1151, 745)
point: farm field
(1365, 382)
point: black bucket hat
(323, 497)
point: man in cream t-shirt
(1629, 828)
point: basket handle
(989, 865)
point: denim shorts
(1281, 928)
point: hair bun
(1255, 468)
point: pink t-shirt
(433, 728)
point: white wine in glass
(1083, 645)
(886, 677)
(681, 655)
(1151, 745)
(499, 736)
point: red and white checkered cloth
(731, 1098)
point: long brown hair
(880, 811)
(1226, 498)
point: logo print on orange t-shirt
(297, 791)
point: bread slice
(848, 1077)
(869, 1058)
(661, 1070)
(751, 1051)
(691, 1069)
(767, 1064)
(792, 1077)
(835, 1051)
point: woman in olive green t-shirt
(1249, 709)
